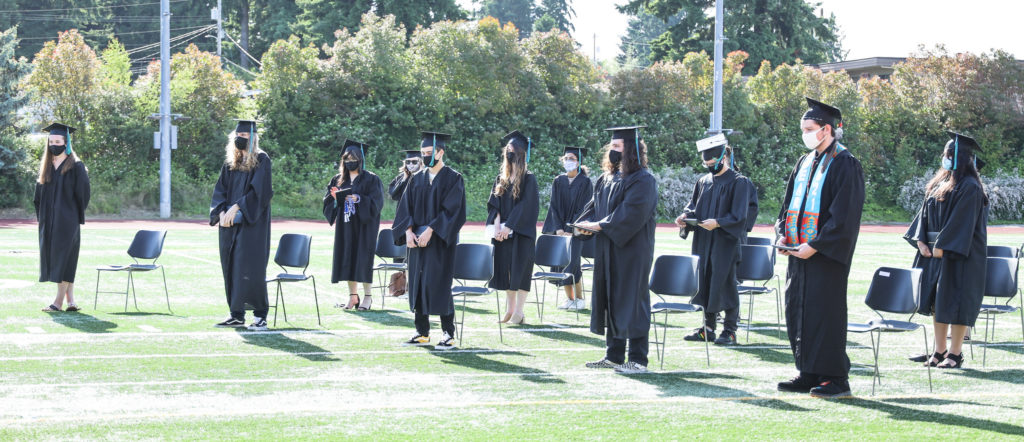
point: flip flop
(52, 308)
(72, 308)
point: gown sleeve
(403, 213)
(493, 204)
(219, 201)
(257, 197)
(83, 191)
(837, 238)
(958, 231)
(397, 186)
(36, 199)
(555, 219)
(523, 217)
(639, 198)
(916, 231)
(734, 223)
(752, 205)
(452, 213)
(371, 199)
(586, 193)
(330, 207)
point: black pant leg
(422, 321)
(616, 348)
(448, 324)
(732, 319)
(638, 348)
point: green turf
(107, 374)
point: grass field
(150, 374)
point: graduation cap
(578, 151)
(355, 146)
(249, 127)
(823, 113)
(713, 147)
(412, 153)
(63, 130)
(435, 140)
(969, 145)
(519, 141)
(627, 132)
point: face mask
(351, 165)
(811, 139)
(241, 143)
(947, 163)
(412, 167)
(570, 165)
(615, 157)
(717, 167)
(56, 149)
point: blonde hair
(44, 164)
(511, 176)
(242, 160)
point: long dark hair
(47, 160)
(349, 155)
(630, 163)
(944, 181)
(512, 173)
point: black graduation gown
(440, 205)
(355, 241)
(752, 210)
(725, 199)
(816, 316)
(60, 210)
(567, 203)
(952, 287)
(245, 247)
(397, 186)
(514, 257)
(625, 208)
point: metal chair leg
(927, 352)
(316, 301)
(750, 315)
(126, 285)
(284, 308)
(277, 299)
(497, 304)
(874, 350)
(96, 297)
(131, 277)
(462, 319)
(707, 352)
(166, 295)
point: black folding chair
(588, 253)
(474, 262)
(674, 275)
(1001, 252)
(292, 251)
(386, 249)
(756, 265)
(759, 241)
(1000, 282)
(552, 251)
(147, 244)
(892, 291)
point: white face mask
(570, 165)
(811, 139)
(412, 167)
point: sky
(870, 28)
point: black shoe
(232, 322)
(727, 337)
(698, 335)
(418, 341)
(800, 384)
(260, 324)
(446, 343)
(832, 388)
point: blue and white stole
(800, 230)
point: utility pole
(215, 15)
(165, 108)
(716, 113)
(595, 49)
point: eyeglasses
(415, 161)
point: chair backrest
(293, 250)
(1001, 251)
(553, 250)
(755, 263)
(1000, 277)
(894, 290)
(589, 249)
(474, 262)
(758, 241)
(675, 275)
(148, 244)
(386, 247)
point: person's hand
(782, 243)
(679, 220)
(937, 253)
(560, 232)
(334, 192)
(923, 248)
(709, 224)
(410, 239)
(229, 216)
(804, 251)
(424, 238)
(589, 226)
(352, 198)
(503, 234)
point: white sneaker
(631, 368)
(566, 305)
(579, 304)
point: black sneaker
(603, 363)
(832, 388)
(631, 368)
(800, 384)
(727, 337)
(231, 322)
(698, 335)
(260, 324)
(418, 341)
(446, 343)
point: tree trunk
(243, 22)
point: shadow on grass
(897, 412)
(675, 384)
(478, 362)
(779, 356)
(561, 335)
(283, 343)
(82, 322)
(144, 314)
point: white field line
(149, 328)
(319, 409)
(421, 352)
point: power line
(150, 55)
(90, 7)
(240, 48)
(187, 35)
(254, 74)
(120, 33)
(114, 19)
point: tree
(518, 12)
(780, 31)
(636, 42)
(14, 176)
(560, 12)
(414, 13)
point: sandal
(952, 361)
(52, 308)
(72, 308)
(352, 305)
(365, 304)
(936, 359)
